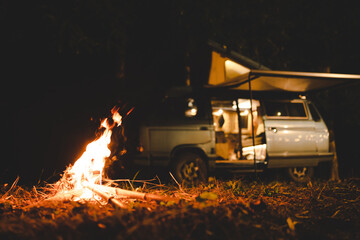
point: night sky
(65, 64)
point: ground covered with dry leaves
(219, 209)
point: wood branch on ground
(122, 193)
(68, 195)
(107, 197)
(109, 194)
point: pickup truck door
(289, 131)
(290, 137)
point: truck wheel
(301, 174)
(189, 168)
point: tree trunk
(334, 163)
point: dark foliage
(67, 62)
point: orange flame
(89, 167)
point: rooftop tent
(234, 70)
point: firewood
(118, 192)
(66, 196)
(107, 197)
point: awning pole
(252, 122)
(239, 126)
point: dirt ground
(218, 209)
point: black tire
(301, 174)
(189, 169)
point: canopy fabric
(226, 72)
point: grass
(218, 209)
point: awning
(228, 72)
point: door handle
(274, 129)
(204, 128)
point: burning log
(103, 195)
(66, 196)
(118, 192)
(109, 194)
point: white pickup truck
(195, 133)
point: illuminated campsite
(180, 120)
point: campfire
(83, 181)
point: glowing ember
(89, 167)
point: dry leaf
(291, 224)
(100, 225)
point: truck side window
(314, 113)
(276, 109)
(285, 109)
(296, 109)
(191, 109)
(179, 110)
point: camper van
(195, 133)
(247, 118)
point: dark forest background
(64, 64)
